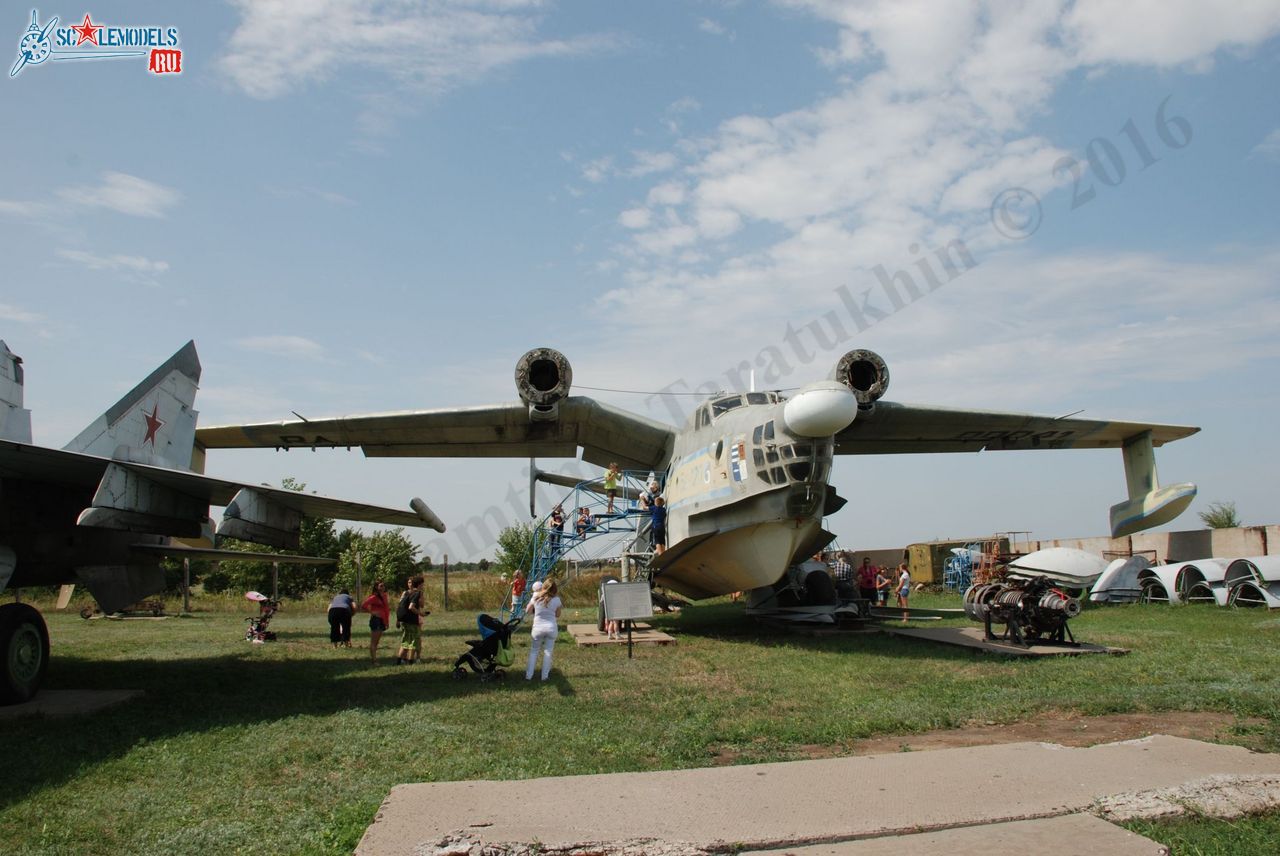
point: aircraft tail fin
(154, 423)
(15, 422)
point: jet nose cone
(820, 409)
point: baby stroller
(489, 654)
(257, 631)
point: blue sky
(366, 206)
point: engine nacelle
(543, 378)
(864, 372)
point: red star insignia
(87, 32)
(154, 424)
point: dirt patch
(1061, 728)
(1223, 797)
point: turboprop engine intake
(543, 378)
(866, 373)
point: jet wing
(28, 462)
(180, 551)
(38, 463)
(892, 428)
(221, 492)
(604, 433)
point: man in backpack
(409, 615)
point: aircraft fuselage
(745, 497)
(38, 523)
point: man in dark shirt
(557, 528)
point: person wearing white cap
(545, 606)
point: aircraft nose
(820, 409)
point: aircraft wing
(181, 551)
(38, 463)
(604, 433)
(893, 428)
(220, 492)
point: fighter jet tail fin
(15, 421)
(1148, 504)
(154, 423)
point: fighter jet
(102, 511)
(747, 477)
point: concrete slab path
(770, 806)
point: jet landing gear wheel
(819, 589)
(24, 652)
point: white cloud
(714, 28)
(283, 346)
(671, 193)
(1165, 32)
(8, 312)
(651, 162)
(281, 45)
(307, 192)
(635, 218)
(125, 193)
(117, 262)
(597, 170)
(23, 210)
(909, 153)
(1270, 146)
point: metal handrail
(548, 547)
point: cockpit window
(759, 398)
(724, 405)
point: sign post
(627, 601)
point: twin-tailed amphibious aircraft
(746, 478)
(101, 511)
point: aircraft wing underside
(180, 551)
(906, 428)
(604, 433)
(38, 463)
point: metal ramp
(628, 523)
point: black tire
(24, 652)
(819, 590)
(459, 674)
(86, 612)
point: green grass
(1198, 836)
(290, 747)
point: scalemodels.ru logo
(90, 41)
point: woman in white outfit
(545, 606)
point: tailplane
(154, 423)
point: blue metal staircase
(628, 521)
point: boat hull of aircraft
(736, 560)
